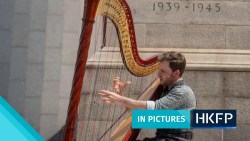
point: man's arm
(111, 97)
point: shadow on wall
(58, 136)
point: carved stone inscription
(205, 24)
(195, 6)
(200, 12)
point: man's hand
(114, 98)
(110, 97)
(119, 86)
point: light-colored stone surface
(36, 47)
(22, 6)
(52, 66)
(185, 36)
(4, 80)
(209, 102)
(34, 80)
(142, 12)
(18, 64)
(55, 7)
(241, 107)
(50, 107)
(208, 135)
(66, 78)
(20, 32)
(54, 31)
(52, 71)
(72, 16)
(50, 97)
(70, 47)
(17, 90)
(32, 111)
(140, 33)
(238, 37)
(237, 84)
(5, 42)
(62, 111)
(48, 126)
(6, 13)
(211, 85)
(156, 32)
(197, 59)
(231, 12)
(38, 14)
(240, 133)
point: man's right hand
(119, 86)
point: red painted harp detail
(90, 7)
(148, 61)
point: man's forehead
(164, 64)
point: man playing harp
(177, 95)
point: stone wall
(38, 45)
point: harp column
(90, 7)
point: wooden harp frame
(119, 13)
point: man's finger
(104, 91)
(123, 85)
(105, 99)
(117, 89)
(101, 94)
(126, 83)
(115, 83)
(117, 77)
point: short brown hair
(176, 60)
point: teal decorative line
(17, 123)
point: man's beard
(167, 81)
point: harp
(118, 12)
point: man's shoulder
(184, 88)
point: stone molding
(197, 59)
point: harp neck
(119, 12)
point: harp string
(90, 126)
(114, 71)
(99, 107)
(95, 113)
(95, 120)
(88, 90)
(108, 73)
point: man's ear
(177, 73)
